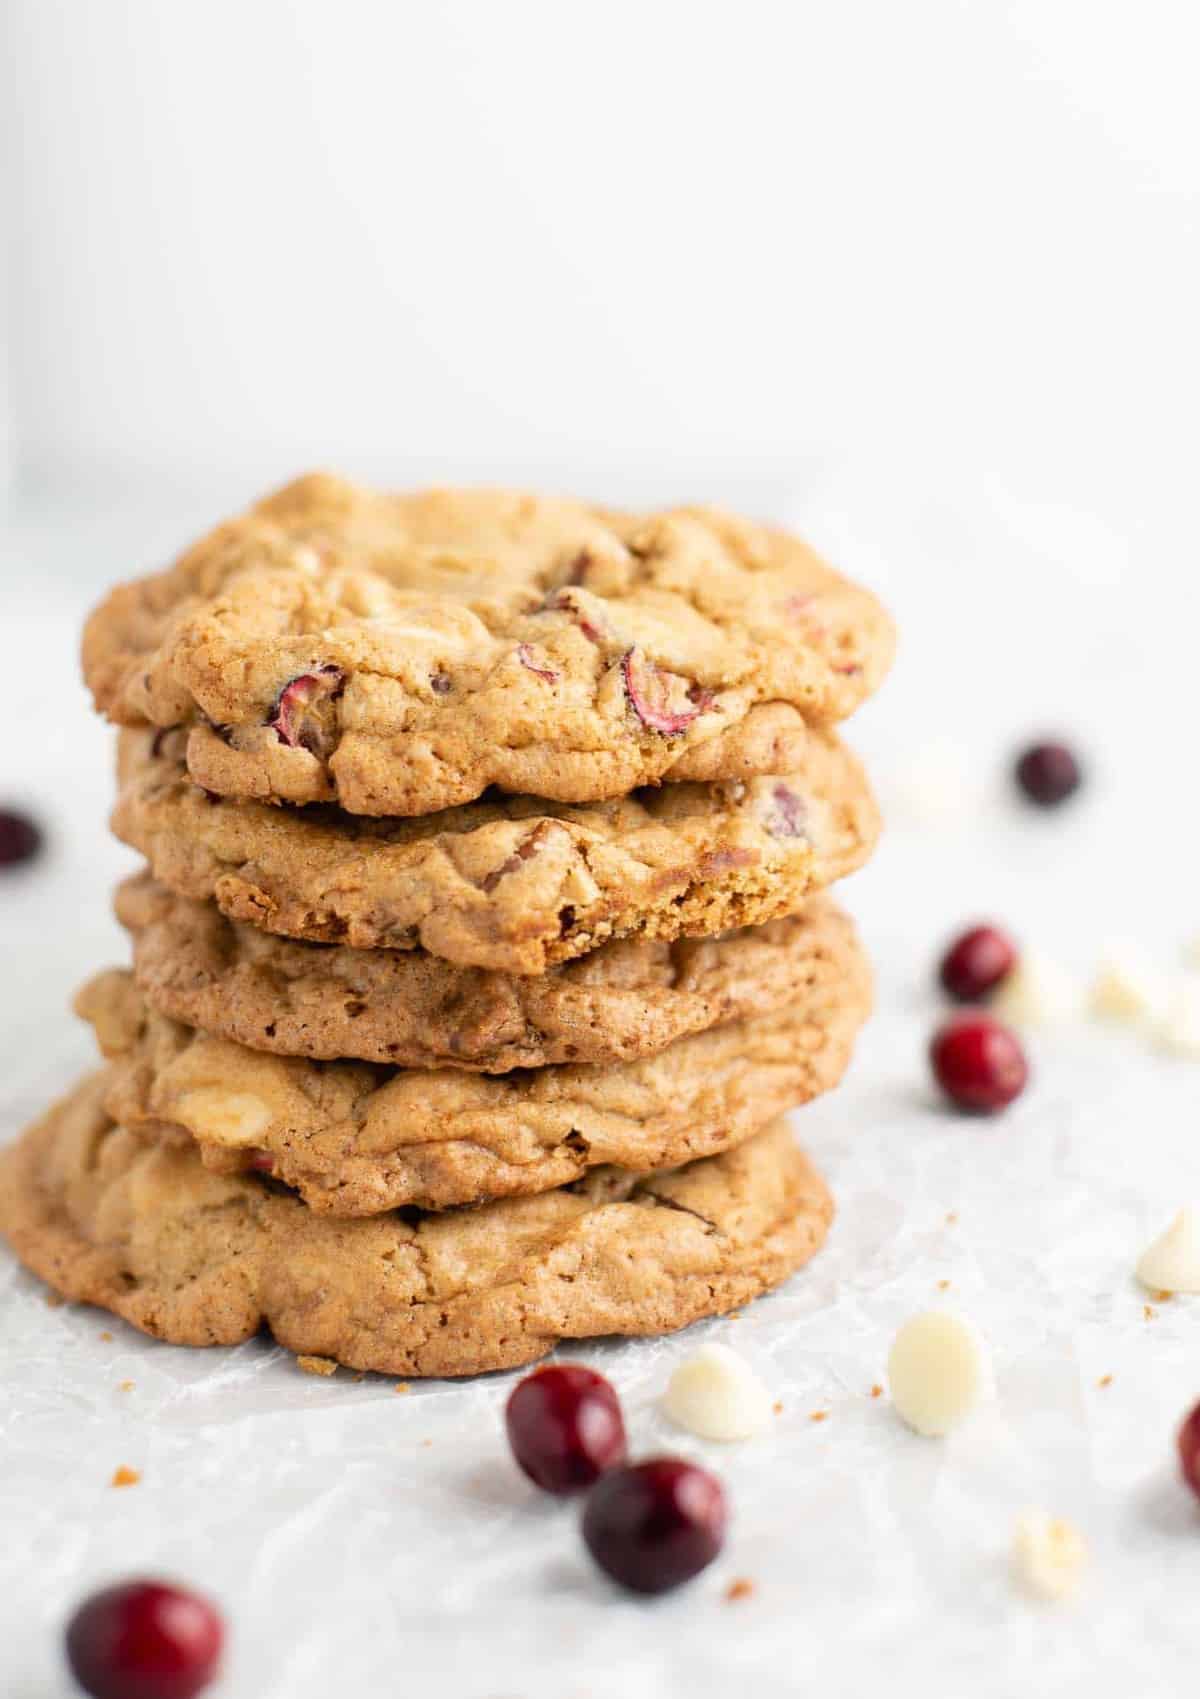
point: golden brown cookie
(512, 884)
(631, 997)
(401, 654)
(199, 1258)
(354, 1138)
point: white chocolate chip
(231, 1117)
(1048, 1554)
(1123, 990)
(717, 1395)
(939, 1371)
(1172, 1262)
(1038, 992)
(1178, 1032)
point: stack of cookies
(480, 945)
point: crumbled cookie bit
(943, 1285)
(124, 1476)
(125, 1386)
(402, 1386)
(106, 1338)
(742, 1588)
(317, 1365)
(952, 1218)
(818, 1415)
(1149, 1312)
(877, 1391)
(778, 1407)
(1105, 1380)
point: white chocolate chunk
(1049, 1555)
(232, 1117)
(717, 1395)
(939, 1371)
(1123, 990)
(1178, 1032)
(1038, 992)
(1172, 1262)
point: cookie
(199, 1258)
(512, 884)
(402, 654)
(631, 997)
(355, 1139)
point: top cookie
(401, 654)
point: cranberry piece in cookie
(976, 963)
(655, 1525)
(787, 813)
(978, 1062)
(1048, 773)
(529, 661)
(664, 701)
(565, 1427)
(20, 837)
(144, 1640)
(303, 716)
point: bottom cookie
(199, 1258)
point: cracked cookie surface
(629, 998)
(200, 1258)
(513, 884)
(356, 1139)
(402, 654)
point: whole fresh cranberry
(20, 837)
(978, 1062)
(565, 1427)
(1048, 773)
(144, 1640)
(654, 1525)
(1189, 1450)
(976, 963)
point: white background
(922, 280)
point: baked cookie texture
(200, 1258)
(400, 654)
(513, 884)
(356, 1139)
(629, 998)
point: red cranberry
(654, 1525)
(1048, 773)
(979, 1063)
(144, 1640)
(565, 1427)
(1189, 1450)
(976, 962)
(20, 837)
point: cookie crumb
(426, 1442)
(1164, 1297)
(1149, 1312)
(402, 1386)
(1105, 1380)
(778, 1406)
(877, 1391)
(742, 1588)
(943, 1285)
(317, 1365)
(106, 1338)
(125, 1477)
(125, 1386)
(952, 1218)
(818, 1415)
